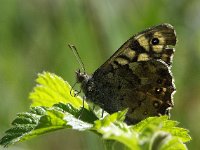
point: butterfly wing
(137, 76)
(152, 43)
(153, 94)
(145, 87)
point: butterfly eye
(155, 41)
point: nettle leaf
(52, 89)
(160, 132)
(42, 119)
(150, 133)
(112, 127)
(54, 108)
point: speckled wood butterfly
(137, 76)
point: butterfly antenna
(74, 50)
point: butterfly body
(137, 76)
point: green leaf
(112, 127)
(52, 89)
(41, 120)
(158, 132)
(173, 144)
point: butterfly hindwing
(145, 87)
(153, 97)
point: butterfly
(137, 76)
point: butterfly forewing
(153, 43)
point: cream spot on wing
(121, 61)
(158, 34)
(143, 57)
(158, 48)
(164, 89)
(144, 42)
(129, 53)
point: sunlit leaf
(52, 89)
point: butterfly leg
(75, 91)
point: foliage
(53, 108)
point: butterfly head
(81, 76)
(85, 80)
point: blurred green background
(34, 36)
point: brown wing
(154, 95)
(152, 43)
(137, 76)
(145, 88)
